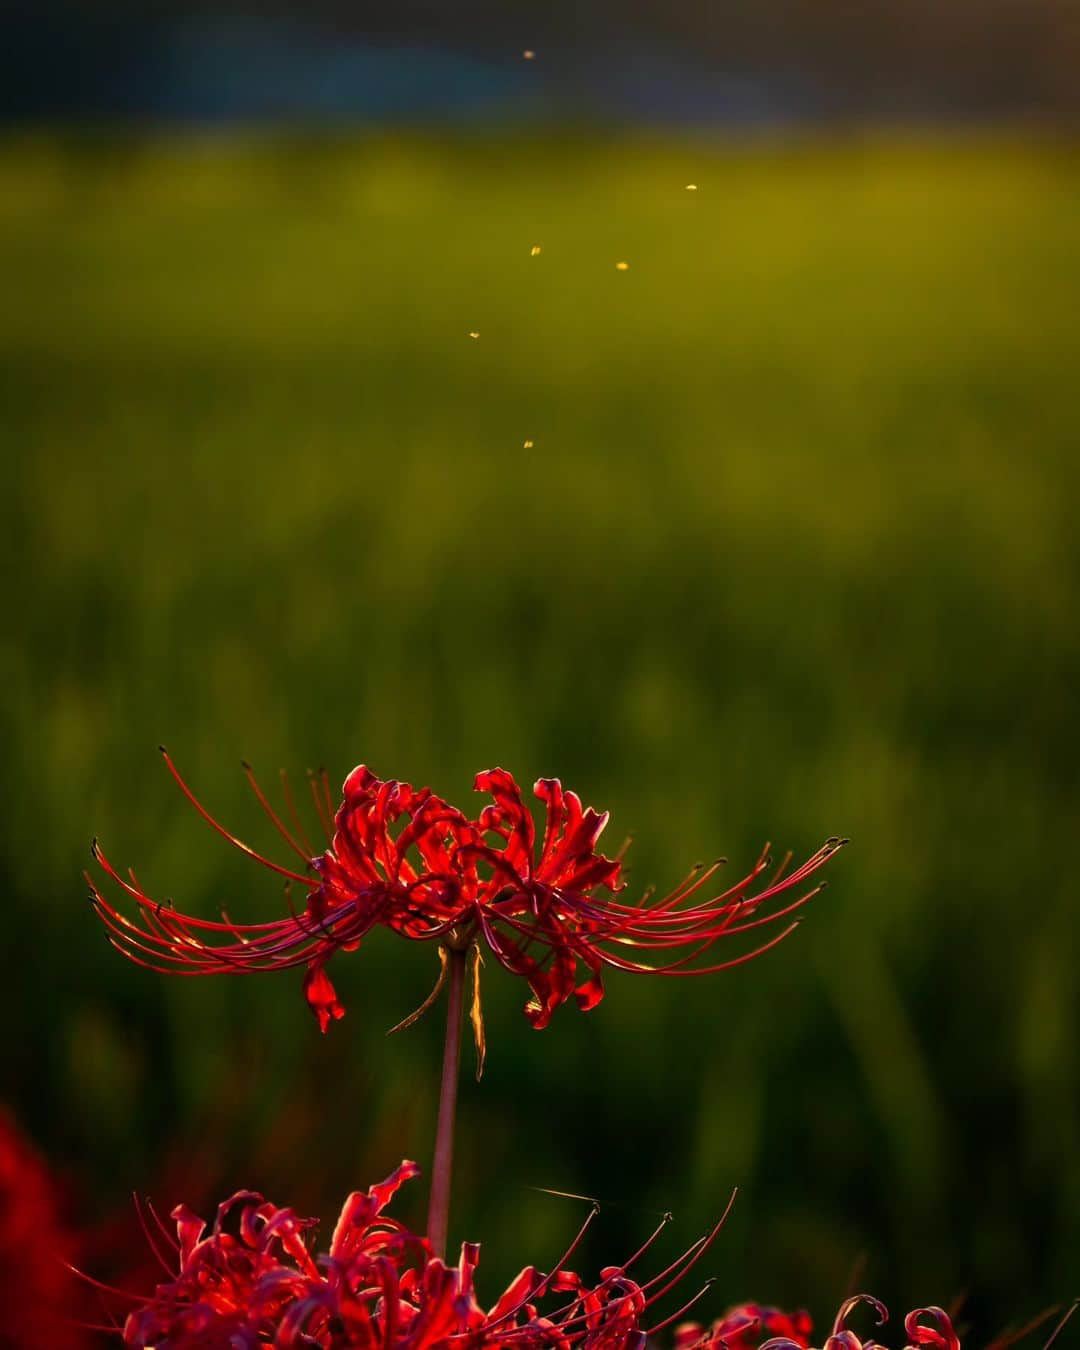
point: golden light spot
(691, 187)
(528, 445)
(528, 54)
(474, 335)
(621, 266)
(534, 250)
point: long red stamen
(236, 843)
(326, 817)
(294, 814)
(275, 819)
(707, 970)
(1062, 1324)
(151, 1243)
(545, 1282)
(706, 1243)
(651, 1331)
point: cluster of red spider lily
(251, 1281)
(742, 1329)
(403, 858)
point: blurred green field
(793, 553)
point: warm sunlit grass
(772, 532)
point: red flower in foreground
(251, 1280)
(926, 1328)
(35, 1288)
(403, 858)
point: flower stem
(442, 1168)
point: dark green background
(793, 554)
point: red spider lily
(251, 1280)
(36, 1291)
(745, 1327)
(404, 859)
(925, 1327)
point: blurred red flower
(37, 1291)
(402, 858)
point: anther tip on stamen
(668, 1217)
(162, 750)
(245, 766)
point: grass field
(793, 552)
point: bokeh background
(792, 553)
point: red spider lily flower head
(36, 1290)
(250, 1280)
(402, 858)
(925, 1327)
(745, 1327)
(243, 1279)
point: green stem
(443, 1165)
